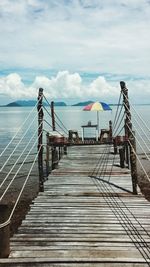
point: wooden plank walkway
(84, 221)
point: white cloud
(63, 85)
(13, 87)
(109, 36)
(69, 86)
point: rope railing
(20, 194)
(131, 131)
(19, 129)
(116, 114)
(59, 123)
(139, 116)
(55, 122)
(52, 127)
(18, 143)
(140, 129)
(120, 131)
(6, 189)
(119, 124)
(21, 153)
(139, 161)
(14, 164)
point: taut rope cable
(138, 131)
(139, 161)
(120, 131)
(61, 127)
(55, 115)
(56, 122)
(18, 143)
(138, 114)
(19, 158)
(16, 203)
(48, 124)
(61, 122)
(138, 142)
(118, 118)
(47, 111)
(46, 100)
(52, 127)
(117, 110)
(19, 168)
(119, 124)
(19, 128)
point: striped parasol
(97, 106)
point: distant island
(31, 103)
(83, 103)
(13, 104)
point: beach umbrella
(97, 106)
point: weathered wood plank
(81, 220)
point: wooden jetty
(86, 216)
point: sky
(75, 49)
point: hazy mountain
(83, 103)
(31, 103)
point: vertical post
(4, 232)
(126, 144)
(40, 139)
(65, 149)
(110, 131)
(130, 136)
(54, 157)
(47, 155)
(115, 146)
(53, 116)
(59, 151)
(122, 156)
(70, 135)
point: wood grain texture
(81, 220)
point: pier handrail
(29, 145)
(119, 125)
(18, 143)
(59, 123)
(141, 120)
(45, 125)
(20, 194)
(26, 119)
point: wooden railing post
(130, 135)
(40, 139)
(115, 146)
(126, 144)
(4, 232)
(65, 149)
(122, 156)
(54, 157)
(53, 116)
(110, 131)
(47, 155)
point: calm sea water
(72, 117)
(11, 118)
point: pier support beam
(131, 136)
(4, 232)
(40, 140)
